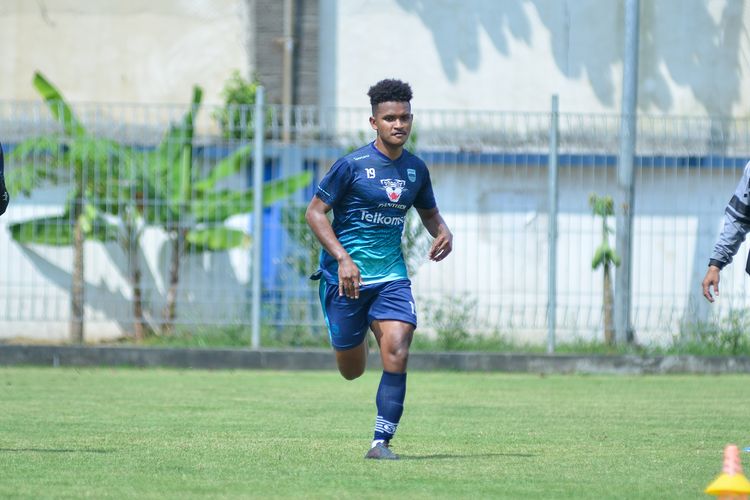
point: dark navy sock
(390, 403)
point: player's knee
(398, 353)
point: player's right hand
(711, 280)
(349, 278)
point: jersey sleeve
(736, 223)
(336, 182)
(425, 198)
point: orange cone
(731, 483)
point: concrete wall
(269, 23)
(134, 51)
(458, 54)
(512, 55)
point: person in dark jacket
(4, 198)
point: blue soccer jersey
(370, 195)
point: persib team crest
(412, 174)
(393, 188)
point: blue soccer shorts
(348, 319)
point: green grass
(128, 433)
(235, 336)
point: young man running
(365, 283)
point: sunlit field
(129, 433)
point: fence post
(552, 228)
(626, 178)
(258, 167)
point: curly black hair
(389, 90)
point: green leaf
(32, 162)
(154, 205)
(54, 231)
(283, 188)
(174, 156)
(182, 133)
(52, 145)
(213, 207)
(186, 156)
(58, 231)
(86, 224)
(104, 153)
(49, 159)
(216, 238)
(57, 105)
(604, 255)
(601, 205)
(230, 165)
(598, 257)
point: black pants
(4, 198)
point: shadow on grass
(50, 450)
(467, 455)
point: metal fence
(147, 195)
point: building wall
(458, 54)
(269, 15)
(135, 51)
(513, 55)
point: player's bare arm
(711, 280)
(349, 276)
(438, 229)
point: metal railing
(491, 179)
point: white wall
(458, 54)
(514, 54)
(499, 264)
(115, 51)
(36, 281)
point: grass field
(127, 433)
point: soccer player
(364, 279)
(4, 198)
(736, 226)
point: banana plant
(118, 191)
(79, 159)
(605, 257)
(192, 210)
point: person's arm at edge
(711, 280)
(736, 226)
(349, 276)
(438, 229)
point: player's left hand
(442, 246)
(349, 278)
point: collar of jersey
(383, 156)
